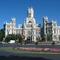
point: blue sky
(18, 10)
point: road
(37, 46)
(7, 55)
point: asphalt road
(37, 46)
(6, 55)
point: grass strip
(29, 51)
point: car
(11, 41)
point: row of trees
(14, 37)
(11, 37)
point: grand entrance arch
(29, 37)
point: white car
(11, 41)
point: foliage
(14, 37)
(1, 36)
(18, 37)
(2, 30)
(53, 42)
(44, 38)
(48, 37)
(36, 43)
(7, 39)
(10, 37)
(26, 41)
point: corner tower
(31, 29)
(45, 20)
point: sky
(18, 9)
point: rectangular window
(54, 31)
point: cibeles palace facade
(31, 30)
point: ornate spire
(30, 12)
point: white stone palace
(33, 31)
(51, 28)
(29, 29)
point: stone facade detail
(51, 28)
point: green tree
(1, 36)
(7, 39)
(10, 37)
(49, 37)
(53, 42)
(14, 37)
(19, 38)
(44, 38)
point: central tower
(31, 29)
(30, 12)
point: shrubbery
(53, 42)
(36, 43)
(18, 38)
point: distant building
(29, 29)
